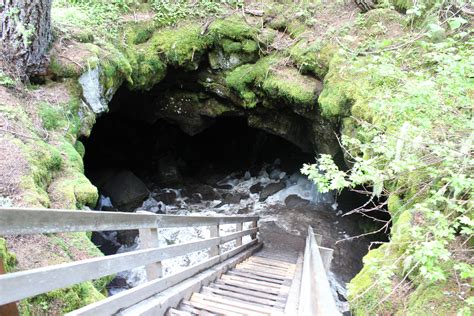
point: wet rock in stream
(126, 191)
(271, 189)
(294, 201)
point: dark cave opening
(179, 160)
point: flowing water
(290, 207)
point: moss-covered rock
(312, 58)
(182, 46)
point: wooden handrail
(21, 221)
(19, 285)
(315, 294)
(113, 304)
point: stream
(286, 203)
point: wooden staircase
(257, 286)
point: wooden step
(264, 274)
(245, 297)
(235, 304)
(276, 297)
(255, 277)
(258, 286)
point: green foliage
(100, 16)
(169, 12)
(50, 116)
(6, 81)
(8, 258)
(410, 132)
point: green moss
(182, 46)
(312, 58)
(81, 150)
(8, 258)
(64, 300)
(243, 79)
(63, 68)
(295, 28)
(249, 46)
(51, 117)
(233, 27)
(370, 303)
(289, 85)
(230, 46)
(71, 189)
(394, 204)
(436, 298)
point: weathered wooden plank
(262, 269)
(9, 309)
(261, 273)
(159, 303)
(198, 298)
(294, 293)
(214, 309)
(270, 267)
(214, 231)
(270, 262)
(234, 303)
(176, 312)
(149, 239)
(252, 281)
(238, 228)
(256, 293)
(244, 297)
(23, 284)
(130, 297)
(248, 286)
(314, 283)
(255, 277)
(237, 235)
(18, 221)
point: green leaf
(455, 23)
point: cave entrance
(166, 152)
(177, 149)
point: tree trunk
(25, 36)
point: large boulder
(295, 201)
(206, 192)
(126, 191)
(271, 189)
(168, 171)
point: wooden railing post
(214, 251)
(254, 225)
(149, 239)
(238, 228)
(9, 309)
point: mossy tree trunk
(25, 36)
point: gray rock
(167, 196)
(206, 192)
(126, 191)
(277, 174)
(295, 201)
(230, 198)
(256, 188)
(247, 175)
(106, 242)
(127, 237)
(168, 172)
(93, 91)
(271, 189)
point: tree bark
(25, 36)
